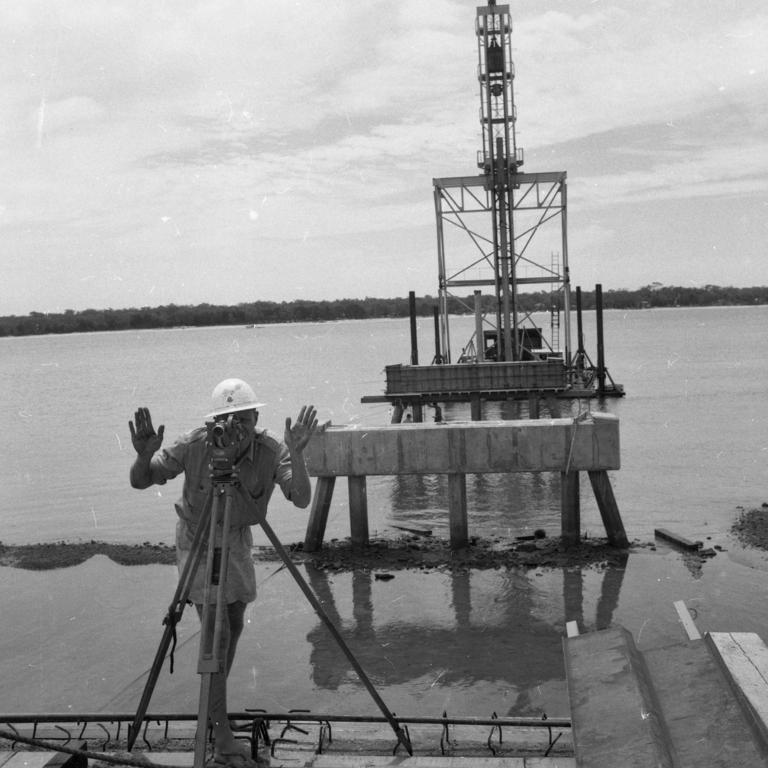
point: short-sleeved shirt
(266, 464)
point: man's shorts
(241, 575)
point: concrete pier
(455, 449)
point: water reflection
(456, 628)
(610, 589)
(499, 504)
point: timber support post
(570, 508)
(457, 510)
(609, 510)
(358, 509)
(476, 406)
(318, 513)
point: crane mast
(511, 219)
(499, 160)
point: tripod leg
(212, 660)
(172, 618)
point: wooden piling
(479, 341)
(318, 513)
(457, 510)
(609, 510)
(414, 340)
(600, 349)
(579, 330)
(358, 509)
(570, 508)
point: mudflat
(416, 550)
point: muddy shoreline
(63, 554)
(414, 550)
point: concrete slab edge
(660, 737)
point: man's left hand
(299, 434)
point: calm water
(693, 424)
(694, 442)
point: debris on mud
(429, 553)
(407, 551)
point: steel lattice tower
(499, 229)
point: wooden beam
(675, 538)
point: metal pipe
(309, 717)
(442, 291)
(506, 260)
(566, 270)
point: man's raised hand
(299, 434)
(143, 436)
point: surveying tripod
(210, 657)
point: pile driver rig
(503, 230)
(500, 231)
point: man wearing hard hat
(261, 460)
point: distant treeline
(265, 312)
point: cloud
(255, 125)
(593, 72)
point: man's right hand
(143, 436)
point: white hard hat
(232, 395)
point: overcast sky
(182, 151)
